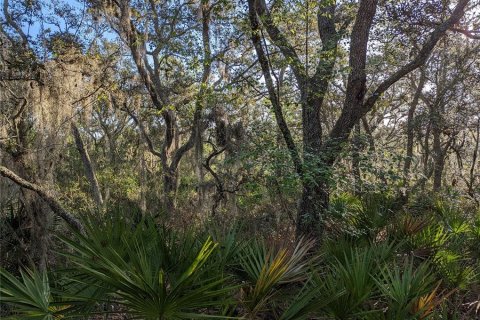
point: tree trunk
(356, 148)
(438, 156)
(313, 206)
(199, 172)
(411, 134)
(368, 132)
(170, 180)
(143, 184)
(87, 165)
(315, 190)
(439, 163)
(472, 175)
(40, 220)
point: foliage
(407, 290)
(30, 296)
(153, 272)
(267, 268)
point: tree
(152, 42)
(38, 103)
(357, 101)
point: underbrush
(378, 261)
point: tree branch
(56, 207)
(472, 34)
(280, 40)
(421, 57)
(356, 83)
(274, 99)
(11, 22)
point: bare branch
(472, 34)
(56, 207)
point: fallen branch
(56, 207)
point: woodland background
(321, 126)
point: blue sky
(47, 19)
